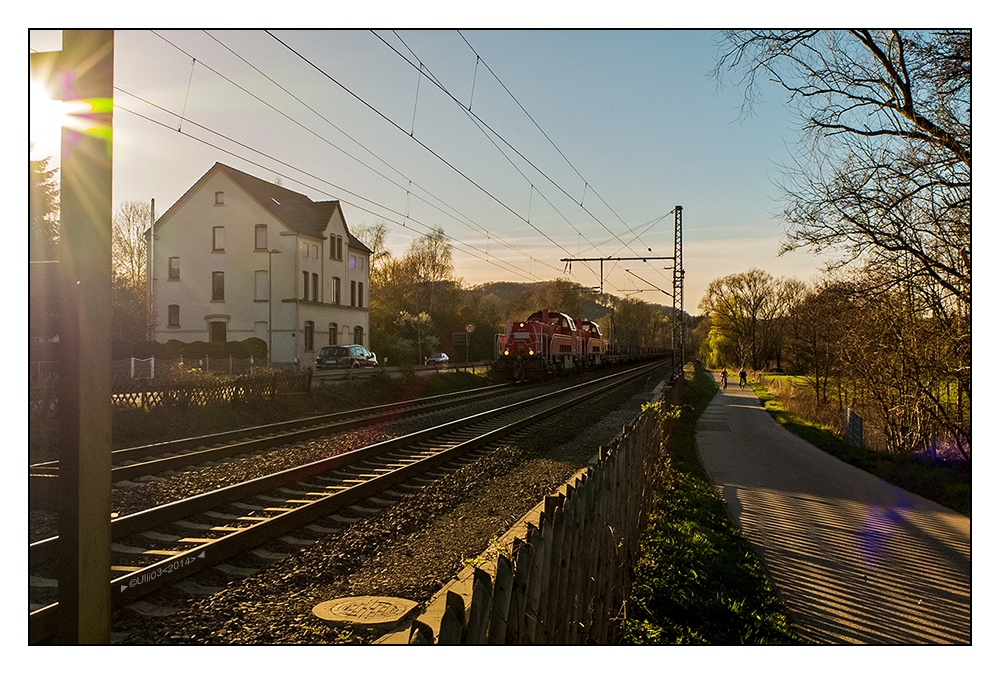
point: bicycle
(725, 381)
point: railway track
(134, 462)
(166, 544)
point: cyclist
(725, 378)
(743, 377)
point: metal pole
(679, 332)
(270, 341)
(270, 312)
(150, 253)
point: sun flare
(46, 118)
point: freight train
(551, 343)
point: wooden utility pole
(83, 73)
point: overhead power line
(327, 141)
(460, 217)
(415, 139)
(464, 247)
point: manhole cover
(364, 610)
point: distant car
(345, 357)
(437, 359)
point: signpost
(469, 329)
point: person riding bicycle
(743, 377)
(725, 377)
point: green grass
(946, 483)
(698, 581)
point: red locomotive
(595, 347)
(548, 342)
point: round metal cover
(364, 610)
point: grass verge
(698, 581)
(939, 481)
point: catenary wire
(461, 218)
(464, 247)
(458, 215)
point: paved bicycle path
(856, 560)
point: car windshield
(333, 352)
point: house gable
(295, 211)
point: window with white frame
(174, 316)
(218, 286)
(174, 269)
(260, 237)
(220, 198)
(218, 238)
(260, 286)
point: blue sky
(595, 136)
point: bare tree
(820, 322)
(129, 308)
(374, 237)
(430, 261)
(883, 178)
(884, 173)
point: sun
(46, 118)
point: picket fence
(562, 574)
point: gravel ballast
(408, 550)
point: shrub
(195, 350)
(143, 349)
(255, 348)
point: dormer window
(220, 198)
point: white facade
(237, 257)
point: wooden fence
(561, 575)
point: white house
(238, 257)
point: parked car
(436, 359)
(345, 357)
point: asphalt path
(856, 559)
